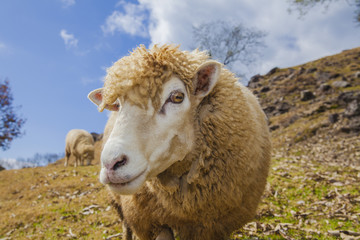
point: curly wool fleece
(217, 187)
(140, 76)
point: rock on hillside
(315, 107)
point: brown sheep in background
(187, 147)
(80, 144)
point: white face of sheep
(144, 143)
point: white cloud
(133, 21)
(12, 163)
(5, 48)
(69, 39)
(86, 80)
(290, 40)
(67, 3)
(2, 46)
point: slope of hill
(313, 189)
(55, 202)
(314, 108)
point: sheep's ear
(206, 78)
(96, 96)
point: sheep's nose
(119, 162)
(110, 173)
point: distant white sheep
(80, 144)
(187, 148)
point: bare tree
(229, 43)
(357, 11)
(304, 6)
(10, 122)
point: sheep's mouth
(124, 184)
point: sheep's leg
(67, 156)
(127, 233)
(165, 234)
(198, 232)
(139, 220)
(76, 161)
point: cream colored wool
(140, 76)
(217, 187)
(80, 143)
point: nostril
(120, 162)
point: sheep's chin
(128, 188)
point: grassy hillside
(303, 199)
(314, 108)
(313, 190)
(54, 203)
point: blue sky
(56, 51)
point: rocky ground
(313, 189)
(314, 108)
(314, 117)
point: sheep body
(80, 143)
(216, 188)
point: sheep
(97, 137)
(186, 149)
(80, 143)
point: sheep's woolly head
(140, 76)
(153, 94)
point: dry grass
(51, 203)
(304, 199)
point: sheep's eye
(177, 97)
(113, 107)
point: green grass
(303, 199)
(306, 195)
